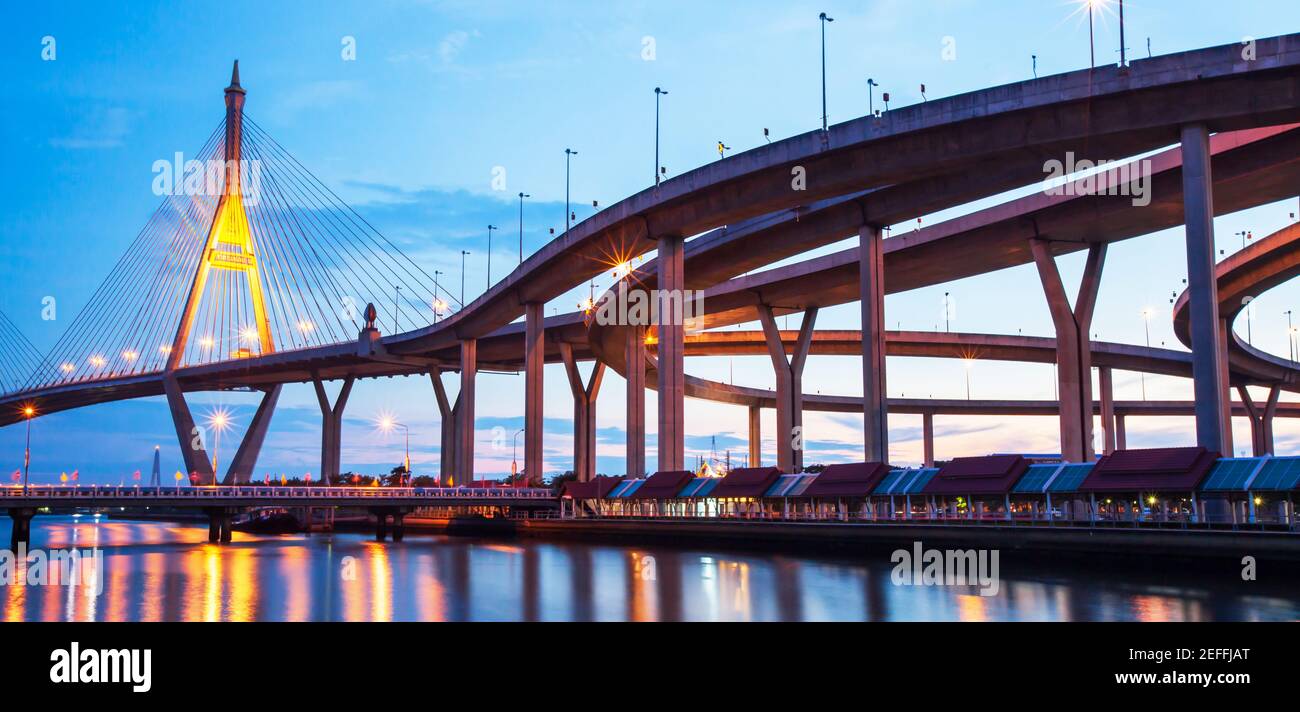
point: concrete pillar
(534, 363)
(927, 437)
(331, 427)
(584, 413)
(1261, 420)
(755, 436)
(399, 525)
(1225, 381)
(447, 414)
(1203, 303)
(1121, 437)
(1073, 345)
(193, 450)
(789, 386)
(242, 465)
(1106, 384)
(464, 474)
(671, 348)
(875, 411)
(634, 354)
(21, 532)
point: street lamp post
(658, 93)
(463, 253)
(568, 155)
(522, 195)
(1290, 334)
(1123, 54)
(30, 412)
(489, 255)
(514, 458)
(871, 96)
(824, 19)
(1092, 49)
(1146, 325)
(436, 298)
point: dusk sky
(442, 94)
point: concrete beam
(245, 460)
(1198, 219)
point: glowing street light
(218, 420)
(29, 412)
(386, 423)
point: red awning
(663, 485)
(992, 474)
(1170, 469)
(595, 489)
(855, 479)
(746, 482)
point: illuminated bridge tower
(229, 247)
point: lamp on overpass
(463, 253)
(824, 19)
(522, 195)
(568, 155)
(489, 255)
(658, 169)
(871, 96)
(1147, 313)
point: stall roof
(790, 486)
(625, 489)
(598, 488)
(1070, 477)
(910, 481)
(856, 479)
(1231, 474)
(1280, 474)
(1177, 469)
(663, 485)
(992, 474)
(1036, 479)
(747, 482)
(700, 487)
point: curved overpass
(870, 170)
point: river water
(166, 571)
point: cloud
(452, 44)
(99, 128)
(311, 96)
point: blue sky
(442, 93)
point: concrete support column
(534, 363)
(875, 411)
(671, 348)
(447, 414)
(1203, 303)
(1261, 420)
(194, 451)
(21, 533)
(1106, 384)
(789, 386)
(584, 413)
(242, 465)
(1226, 382)
(331, 427)
(755, 436)
(464, 474)
(927, 437)
(1121, 438)
(634, 354)
(1073, 345)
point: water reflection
(161, 571)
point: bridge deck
(263, 496)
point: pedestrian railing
(136, 492)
